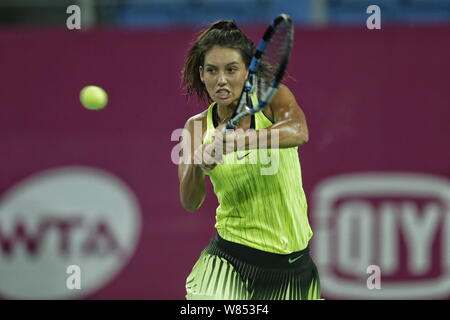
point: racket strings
(270, 68)
(273, 57)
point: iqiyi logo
(383, 236)
(65, 233)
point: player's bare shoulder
(198, 120)
(199, 117)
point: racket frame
(251, 81)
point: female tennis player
(261, 247)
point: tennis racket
(266, 69)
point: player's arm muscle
(289, 119)
(289, 123)
(191, 177)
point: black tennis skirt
(228, 270)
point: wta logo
(63, 217)
(397, 222)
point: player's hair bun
(224, 25)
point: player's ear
(200, 70)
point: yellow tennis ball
(93, 98)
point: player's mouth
(223, 94)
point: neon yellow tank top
(267, 212)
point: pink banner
(95, 193)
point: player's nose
(222, 80)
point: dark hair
(223, 33)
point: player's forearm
(192, 186)
(287, 134)
(280, 135)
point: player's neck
(224, 113)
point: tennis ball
(93, 98)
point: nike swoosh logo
(292, 260)
(240, 158)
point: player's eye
(232, 70)
(210, 70)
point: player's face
(223, 73)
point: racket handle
(229, 126)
